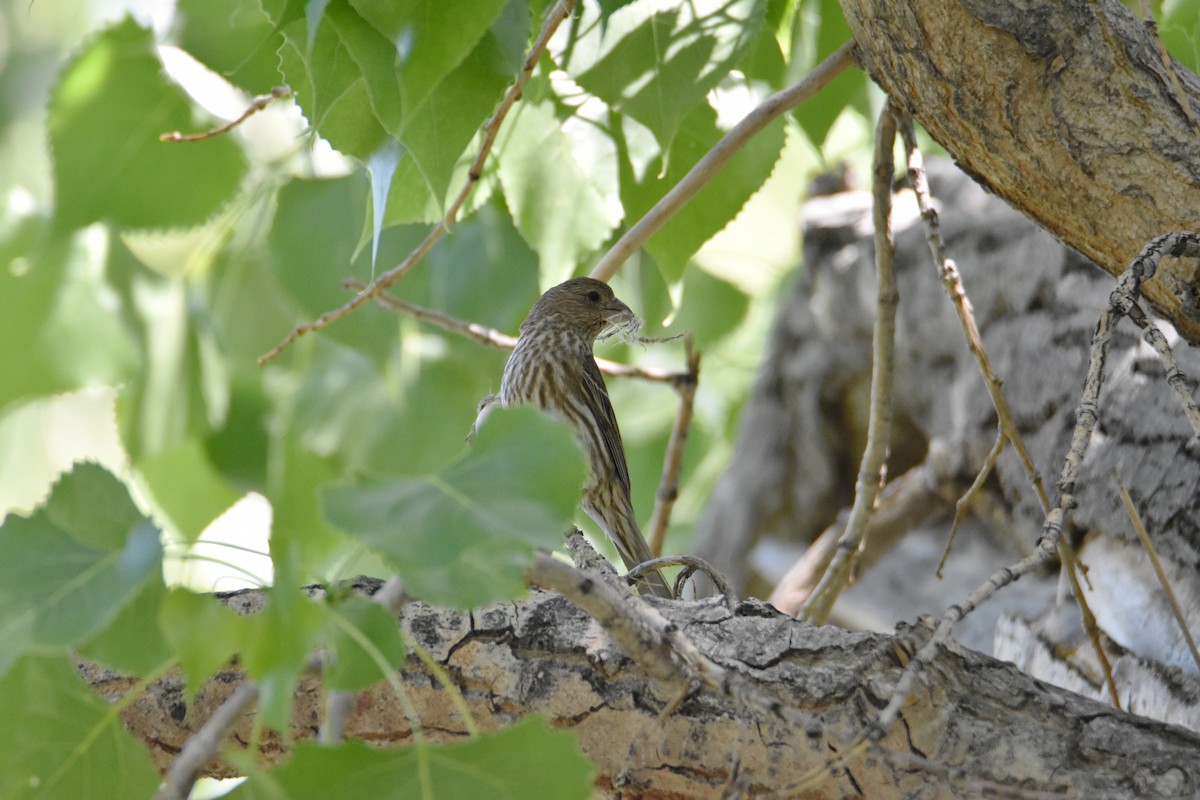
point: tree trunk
(1064, 109)
(974, 723)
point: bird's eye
(594, 296)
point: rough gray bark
(1036, 303)
(974, 725)
(1065, 109)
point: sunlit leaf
(656, 60)
(361, 633)
(464, 536)
(716, 204)
(233, 38)
(60, 739)
(66, 571)
(202, 632)
(538, 168)
(106, 115)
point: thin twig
(692, 565)
(1087, 413)
(204, 745)
(879, 424)
(707, 167)
(952, 281)
(960, 507)
(562, 9)
(962, 306)
(1148, 546)
(668, 485)
(490, 337)
(257, 104)
(1071, 567)
(1175, 378)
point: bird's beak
(618, 319)
(617, 313)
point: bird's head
(584, 305)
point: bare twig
(668, 485)
(960, 507)
(1008, 428)
(906, 502)
(691, 565)
(1148, 546)
(257, 104)
(205, 743)
(1070, 564)
(1121, 300)
(490, 337)
(698, 177)
(879, 425)
(1175, 379)
(962, 306)
(560, 11)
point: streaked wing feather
(601, 406)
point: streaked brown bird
(553, 368)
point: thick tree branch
(1065, 110)
(976, 719)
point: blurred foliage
(140, 280)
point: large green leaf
(202, 632)
(716, 204)
(67, 571)
(57, 312)
(362, 643)
(823, 31)
(527, 761)
(463, 536)
(656, 60)
(133, 642)
(187, 489)
(234, 38)
(539, 169)
(429, 38)
(60, 740)
(106, 115)
(330, 88)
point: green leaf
(330, 88)
(438, 130)
(429, 38)
(538, 169)
(464, 536)
(361, 634)
(716, 204)
(69, 569)
(60, 740)
(234, 38)
(202, 632)
(1179, 27)
(133, 642)
(57, 311)
(276, 643)
(187, 488)
(825, 30)
(658, 59)
(106, 114)
(165, 405)
(527, 761)
(711, 308)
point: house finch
(553, 368)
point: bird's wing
(606, 419)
